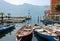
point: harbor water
(11, 35)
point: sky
(33, 2)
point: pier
(14, 19)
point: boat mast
(38, 20)
(28, 13)
(29, 16)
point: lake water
(10, 35)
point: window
(57, 17)
(57, 0)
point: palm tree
(1, 13)
(9, 15)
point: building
(53, 5)
(52, 16)
(52, 10)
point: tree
(9, 15)
(1, 13)
(57, 8)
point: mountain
(21, 10)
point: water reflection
(3, 34)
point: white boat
(15, 20)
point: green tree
(9, 15)
(57, 7)
(1, 13)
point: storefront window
(57, 17)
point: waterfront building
(53, 14)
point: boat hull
(6, 27)
(49, 22)
(3, 34)
(49, 38)
(25, 38)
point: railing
(52, 19)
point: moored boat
(24, 32)
(5, 27)
(28, 17)
(15, 20)
(49, 32)
(5, 32)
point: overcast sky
(34, 2)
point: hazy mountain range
(21, 10)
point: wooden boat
(24, 32)
(49, 32)
(5, 27)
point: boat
(28, 17)
(49, 32)
(15, 20)
(24, 32)
(5, 32)
(5, 27)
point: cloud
(15, 2)
(34, 2)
